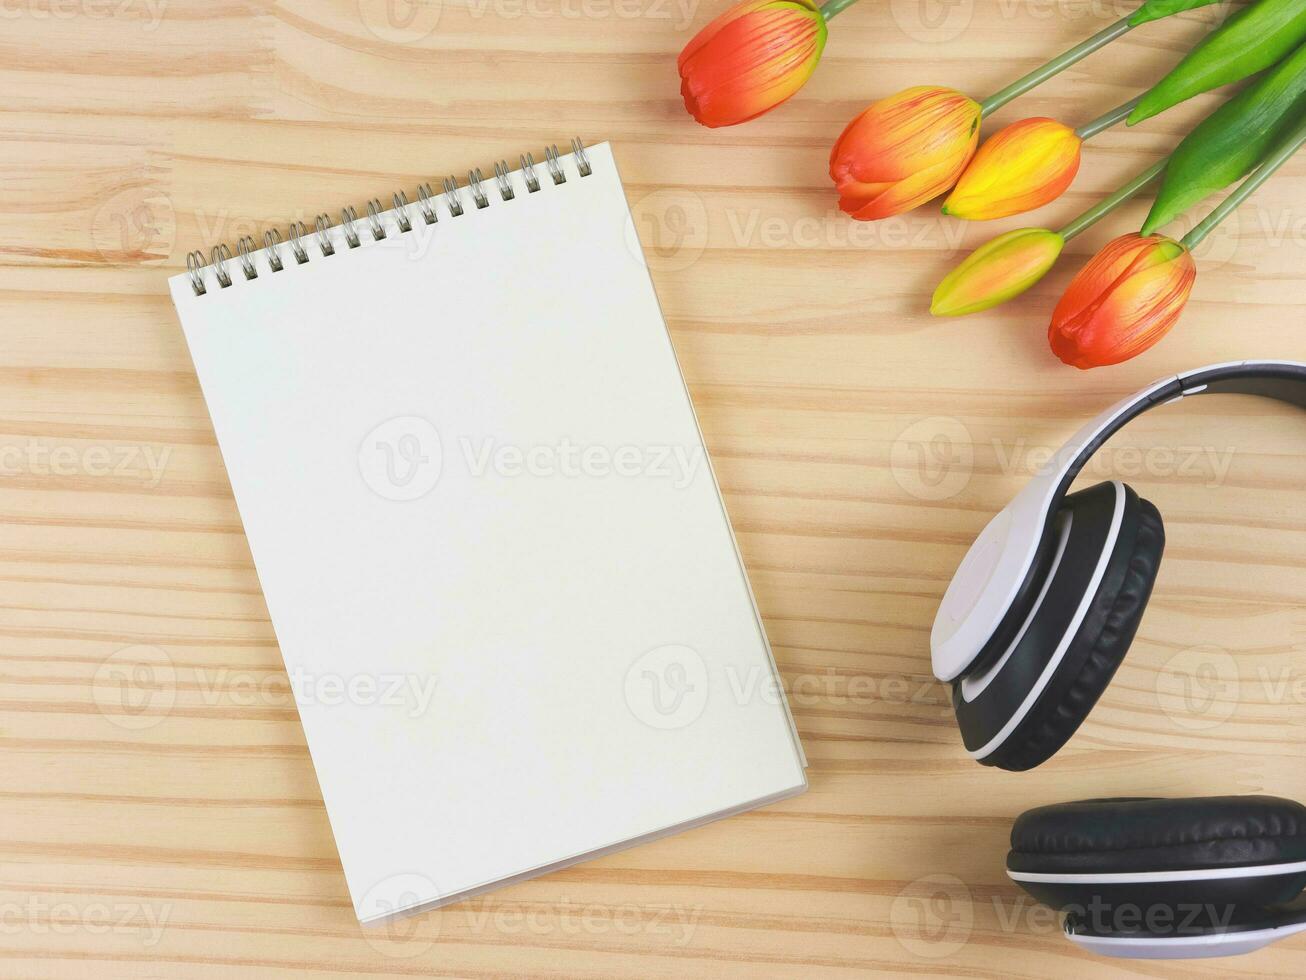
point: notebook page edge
(616, 847)
(716, 487)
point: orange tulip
(750, 59)
(998, 271)
(1019, 168)
(904, 150)
(913, 146)
(1124, 301)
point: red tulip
(1019, 168)
(904, 150)
(750, 59)
(1124, 301)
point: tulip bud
(1124, 301)
(904, 150)
(1019, 168)
(997, 271)
(750, 59)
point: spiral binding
(247, 252)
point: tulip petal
(1117, 259)
(903, 151)
(1019, 168)
(750, 59)
(1124, 301)
(997, 271)
(871, 202)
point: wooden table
(159, 814)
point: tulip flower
(1125, 300)
(1024, 166)
(906, 149)
(1133, 291)
(903, 151)
(997, 271)
(753, 57)
(1021, 167)
(1010, 264)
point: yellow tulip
(1017, 169)
(997, 271)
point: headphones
(1029, 633)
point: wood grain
(160, 816)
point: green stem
(1105, 207)
(1107, 120)
(1080, 51)
(1245, 190)
(832, 7)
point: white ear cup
(1001, 562)
(988, 580)
(997, 571)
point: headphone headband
(1280, 380)
(1001, 568)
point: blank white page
(494, 553)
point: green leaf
(1233, 140)
(1252, 40)
(1156, 9)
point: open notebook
(497, 562)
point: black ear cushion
(1147, 834)
(1095, 841)
(1103, 639)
